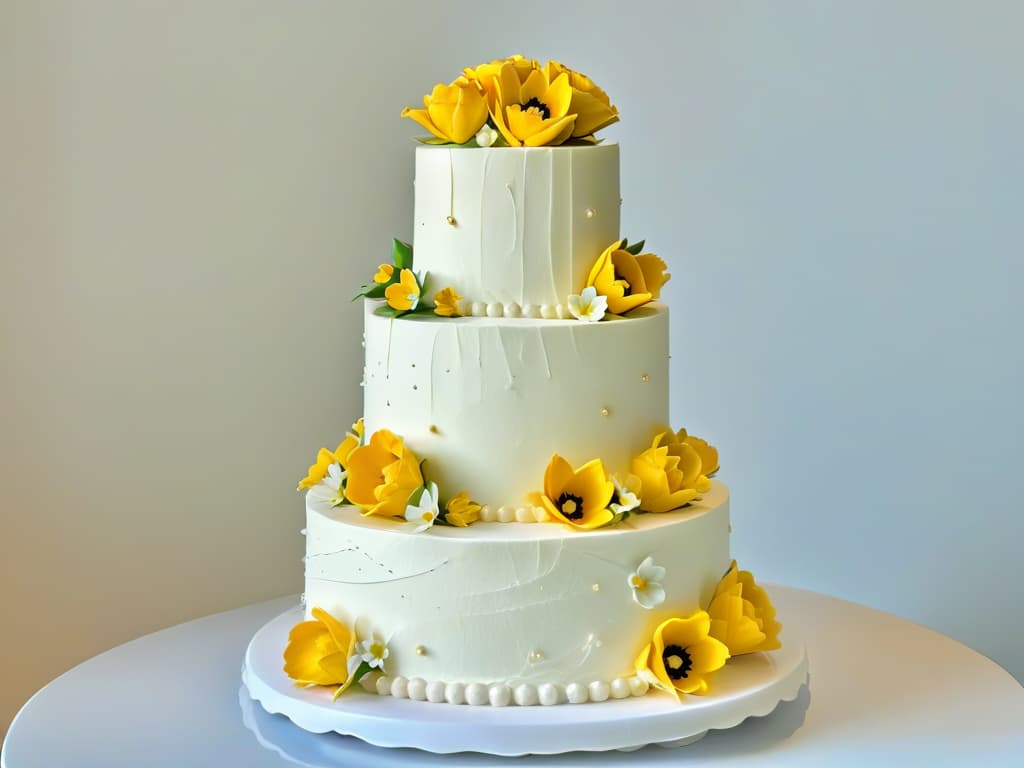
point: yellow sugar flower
(324, 458)
(382, 475)
(405, 294)
(462, 511)
(628, 281)
(682, 656)
(452, 112)
(670, 474)
(708, 453)
(742, 614)
(484, 75)
(579, 497)
(384, 274)
(591, 105)
(318, 652)
(531, 111)
(446, 303)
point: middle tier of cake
(487, 401)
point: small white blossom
(332, 488)
(588, 306)
(486, 136)
(373, 651)
(645, 582)
(626, 498)
(421, 516)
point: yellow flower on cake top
(579, 497)
(405, 294)
(591, 105)
(682, 656)
(461, 511)
(742, 614)
(384, 274)
(532, 111)
(319, 652)
(382, 475)
(628, 281)
(452, 112)
(446, 303)
(670, 474)
(484, 75)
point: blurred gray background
(191, 192)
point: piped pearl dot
(478, 308)
(547, 311)
(524, 515)
(561, 312)
(576, 693)
(547, 694)
(525, 695)
(638, 686)
(435, 691)
(590, 213)
(417, 689)
(451, 220)
(476, 694)
(513, 310)
(455, 693)
(645, 377)
(506, 513)
(369, 682)
(383, 685)
(434, 430)
(487, 514)
(499, 695)
(598, 690)
(606, 411)
(421, 650)
(399, 687)
(535, 656)
(596, 587)
(620, 688)
(495, 310)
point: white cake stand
(748, 686)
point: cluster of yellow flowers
(670, 474)
(382, 476)
(528, 104)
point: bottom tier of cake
(521, 613)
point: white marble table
(883, 691)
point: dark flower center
(540, 106)
(677, 661)
(570, 505)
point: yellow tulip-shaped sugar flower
(591, 105)
(325, 458)
(384, 274)
(628, 281)
(405, 294)
(485, 75)
(318, 652)
(446, 303)
(452, 112)
(461, 511)
(708, 453)
(742, 614)
(532, 112)
(579, 497)
(382, 475)
(670, 474)
(682, 656)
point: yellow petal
(534, 87)
(423, 118)
(558, 96)
(339, 633)
(551, 133)
(558, 475)
(653, 268)
(469, 115)
(384, 273)
(591, 113)
(317, 471)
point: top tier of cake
(518, 226)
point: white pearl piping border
(498, 309)
(508, 513)
(501, 695)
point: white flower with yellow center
(373, 651)
(588, 305)
(645, 582)
(422, 515)
(332, 488)
(626, 496)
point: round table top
(881, 689)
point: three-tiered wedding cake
(512, 521)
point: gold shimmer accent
(434, 430)
(605, 411)
(421, 651)
(451, 220)
(645, 377)
(596, 587)
(535, 656)
(590, 213)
